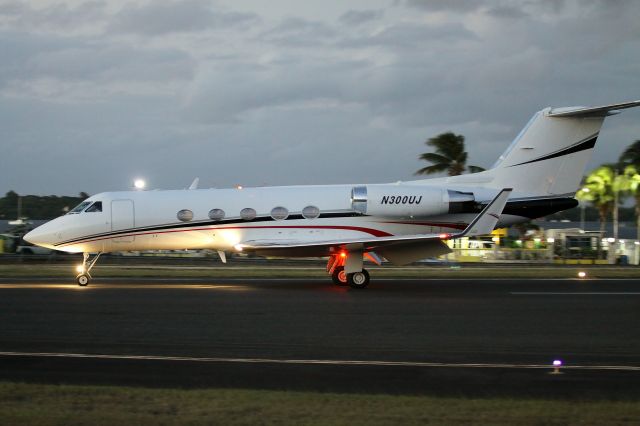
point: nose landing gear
(84, 277)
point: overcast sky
(94, 94)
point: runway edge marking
(315, 361)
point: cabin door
(122, 219)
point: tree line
(15, 206)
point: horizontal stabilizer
(601, 111)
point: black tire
(83, 280)
(338, 276)
(358, 279)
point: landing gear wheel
(358, 279)
(83, 280)
(338, 276)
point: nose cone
(40, 237)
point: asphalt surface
(440, 337)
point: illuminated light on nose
(581, 274)
(238, 247)
(80, 269)
(139, 184)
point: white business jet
(402, 222)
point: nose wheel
(84, 277)
(83, 280)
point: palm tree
(450, 156)
(632, 185)
(598, 188)
(631, 155)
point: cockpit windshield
(95, 207)
(79, 207)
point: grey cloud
(358, 17)
(509, 12)
(445, 5)
(56, 17)
(158, 18)
(298, 102)
(300, 32)
(223, 94)
(411, 35)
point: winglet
(484, 223)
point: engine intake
(406, 201)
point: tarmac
(461, 337)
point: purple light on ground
(557, 363)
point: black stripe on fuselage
(230, 221)
(588, 143)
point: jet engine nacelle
(404, 201)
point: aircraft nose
(33, 237)
(39, 237)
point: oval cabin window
(216, 214)
(248, 214)
(279, 213)
(185, 215)
(310, 212)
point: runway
(442, 337)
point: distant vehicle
(33, 249)
(402, 222)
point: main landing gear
(84, 277)
(336, 268)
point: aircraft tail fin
(549, 156)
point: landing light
(582, 274)
(80, 269)
(238, 247)
(139, 184)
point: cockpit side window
(95, 207)
(79, 207)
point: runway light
(556, 366)
(582, 274)
(139, 184)
(80, 269)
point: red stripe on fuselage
(371, 231)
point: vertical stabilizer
(549, 156)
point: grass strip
(37, 404)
